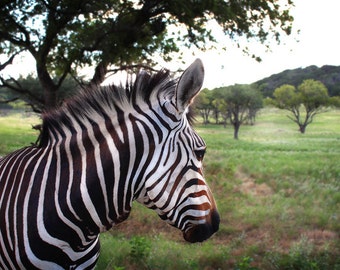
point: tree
(66, 35)
(240, 103)
(33, 96)
(204, 104)
(335, 101)
(255, 104)
(304, 102)
(224, 112)
(218, 104)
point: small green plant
(140, 249)
(245, 264)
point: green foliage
(328, 75)
(286, 97)
(245, 264)
(204, 104)
(66, 35)
(33, 94)
(237, 103)
(140, 249)
(310, 94)
(314, 94)
(335, 102)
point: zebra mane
(104, 100)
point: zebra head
(175, 186)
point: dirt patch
(249, 185)
(266, 238)
(320, 236)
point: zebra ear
(189, 85)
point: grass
(278, 193)
(16, 131)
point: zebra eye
(199, 154)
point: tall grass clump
(158, 252)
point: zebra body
(98, 153)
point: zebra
(98, 152)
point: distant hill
(328, 75)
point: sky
(317, 43)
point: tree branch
(9, 100)
(11, 22)
(19, 89)
(10, 60)
(295, 120)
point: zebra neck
(104, 162)
(92, 166)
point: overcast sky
(317, 44)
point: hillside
(329, 75)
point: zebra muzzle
(201, 232)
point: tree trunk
(50, 96)
(205, 115)
(236, 129)
(50, 89)
(216, 116)
(224, 122)
(205, 119)
(99, 74)
(302, 128)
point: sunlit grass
(278, 194)
(16, 132)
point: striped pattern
(98, 153)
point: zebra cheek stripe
(97, 153)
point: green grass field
(16, 131)
(278, 193)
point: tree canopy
(204, 103)
(66, 35)
(304, 102)
(328, 75)
(237, 104)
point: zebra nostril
(201, 232)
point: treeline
(328, 75)
(239, 104)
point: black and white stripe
(98, 153)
